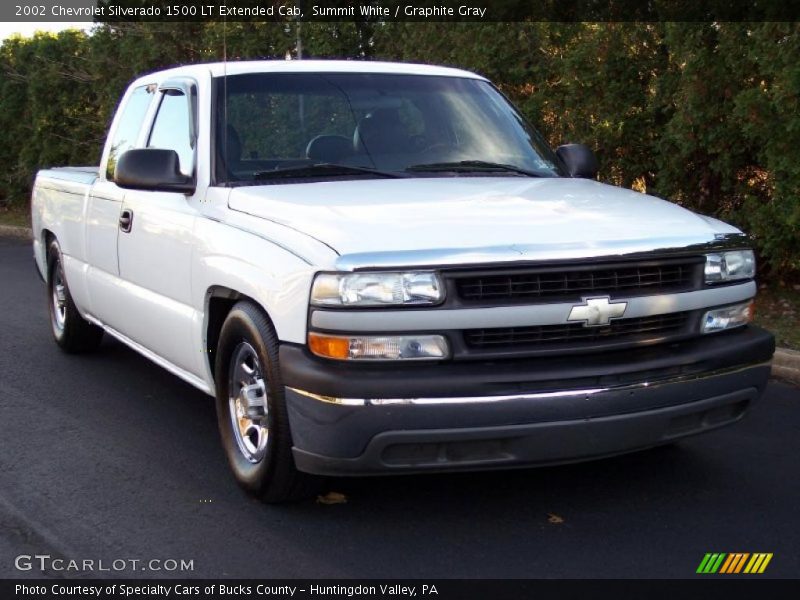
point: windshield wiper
(466, 166)
(318, 169)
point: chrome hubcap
(59, 298)
(248, 405)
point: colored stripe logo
(733, 563)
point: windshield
(283, 126)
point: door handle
(126, 220)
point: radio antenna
(224, 132)
(299, 34)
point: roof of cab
(219, 69)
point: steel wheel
(251, 408)
(70, 330)
(248, 403)
(59, 298)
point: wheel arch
(41, 254)
(219, 302)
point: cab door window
(129, 126)
(171, 129)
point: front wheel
(71, 331)
(251, 409)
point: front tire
(251, 409)
(70, 330)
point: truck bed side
(58, 205)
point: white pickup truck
(383, 268)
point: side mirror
(153, 169)
(579, 159)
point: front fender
(278, 280)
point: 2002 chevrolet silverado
(383, 268)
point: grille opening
(572, 282)
(636, 330)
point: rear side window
(171, 129)
(128, 127)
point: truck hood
(476, 219)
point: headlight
(376, 289)
(394, 347)
(730, 266)
(728, 317)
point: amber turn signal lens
(329, 346)
(379, 347)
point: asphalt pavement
(108, 457)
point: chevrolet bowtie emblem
(597, 311)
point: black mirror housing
(579, 159)
(153, 169)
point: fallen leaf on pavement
(332, 498)
(554, 519)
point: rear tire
(251, 409)
(71, 331)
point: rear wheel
(251, 409)
(71, 331)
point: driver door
(156, 240)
